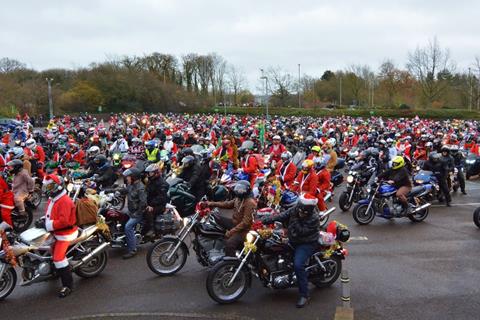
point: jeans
(130, 233)
(302, 253)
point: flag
(261, 135)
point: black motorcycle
(168, 255)
(268, 256)
(472, 165)
(476, 217)
(357, 182)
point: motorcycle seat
(416, 190)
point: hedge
(359, 112)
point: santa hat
(308, 200)
(51, 178)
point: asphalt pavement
(398, 270)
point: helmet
(277, 137)
(454, 149)
(319, 163)
(445, 149)
(187, 152)
(30, 144)
(220, 193)
(242, 151)
(52, 185)
(307, 203)
(242, 189)
(286, 156)
(17, 152)
(382, 141)
(398, 162)
(132, 172)
(332, 142)
(152, 169)
(100, 160)
(316, 149)
(429, 144)
(434, 157)
(188, 161)
(14, 166)
(150, 145)
(307, 165)
(51, 166)
(93, 151)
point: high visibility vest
(152, 156)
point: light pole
(471, 90)
(298, 88)
(264, 77)
(50, 101)
(340, 91)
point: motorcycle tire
(476, 217)
(360, 210)
(7, 283)
(36, 198)
(22, 222)
(157, 256)
(324, 281)
(219, 276)
(455, 187)
(421, 215)
(343, 202)
(96, 265)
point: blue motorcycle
(424, 177)
(383, 202)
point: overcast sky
(251, 34)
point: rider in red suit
(286, 170)
(249, 164)
(276, 149)
(37, 154)
(307, 180)
(60, 219)
(324, 183)
(6, 205)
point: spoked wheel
(476, 217)
(7, 283)
(22, 221)
(343, 202)
(36, 197)
(95, 266)
(218, 282)
(362, 215)
(421, 215)
(163, 261)
(334, 269)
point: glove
(40, 223)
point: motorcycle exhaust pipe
(92, 254)
(424, 206)
(327, 213)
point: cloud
(251, 34)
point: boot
(302, 302)
(67, 281)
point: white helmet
(31, 143)
(332, 142)
(94, 150)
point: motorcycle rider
(276, 149)
(7, 203)
(440, 170)
(103, 173)
(36, 155)
(157, 197)
(137, 203)
(238, 226)
(249, 164)
(286, 170)
(449, 163)
(303, 233)
(329, 150)
(191, 173)
(120, 145)
(60, 219)
(459, 163)
(399, 176)
(152, 153)
(22, 185)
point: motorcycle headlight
(70, 187)
(470, 161)
(116, 156)
(369, 189)
(128, 165)
(419, 181)
(250, 237)
(350, 179)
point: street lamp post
(264, 77)
(50, 101)
(298, 88)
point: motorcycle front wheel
(158, 257)
(22, 222)
(476, 217)
(420, 215)
(334, 269)
(7, 283)
(362, 215)
(218, 279)
(343, 202)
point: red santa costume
(6, 204)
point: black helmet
(242, 189)
(220, 193)
(100, 160)
(445, 149)
(15, 165)
(187, 152)
(434, 156)
(132, 172)
(242, 151)
(188, 161)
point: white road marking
(360, 238)
(456, 204)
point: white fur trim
(61, 264)
(6, 207)
(67, 237)
(49, 225)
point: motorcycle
(424, 177)
(32, 251)
(22, 221)
(168, 255)
(357, 181)
(383, 202)
(472, 165)
(268, 256)
(476, 217)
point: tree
(327, 75)
(236, 80)
(429, 65)
(280, 86)
(83, 96)
(390, 81)
(8, 65)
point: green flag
(262, 133)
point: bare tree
(477, 89)
(9, 65)
(189, 67)
(390, 80)
(280, 85)
(429, 65)
(204, 67)
(236, 79)
(218, 77)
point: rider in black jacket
(191, 173)
(303, 228)
(157, 189)
(440, 170)
(103, 173)
(459, 163)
